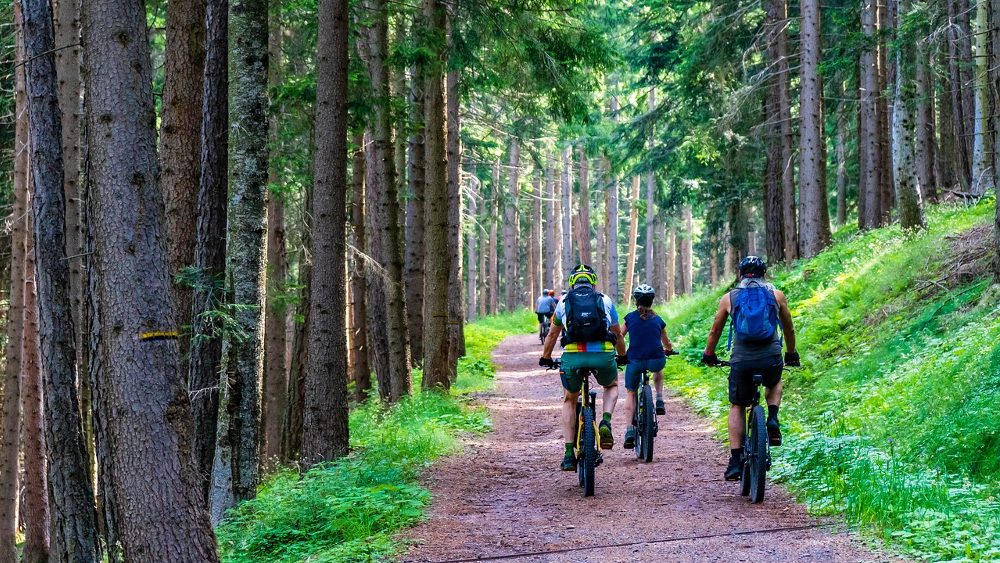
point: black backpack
(585, 317)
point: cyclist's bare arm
(785, 316)
(620, 344)
(665, 340)
(721, 316)
(550, 341)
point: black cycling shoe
(734, 471)
(773, 432)
(607, 439)
(660, 407)
(629, 439)
(568, 463)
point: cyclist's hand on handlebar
(621, 360)
(792, 360)
(710, 360)
(670, 352)
(547, 363)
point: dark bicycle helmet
(644, 295)
(753, 267)
(582, 274)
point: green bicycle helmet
(582, 274)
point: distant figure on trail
(648, 348)
(755, 306)
(545, 306)
(592, 339)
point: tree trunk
(869, 132)
(291, 435)
(325, 428)
(926, 153)
(905, 174)
(482, 284)
(773, 199)
(180, 142)
(671, 263)
(205, 357)
(359, 352)
(686, 275)
(473, 240)
(11, 405)
(567, 215)
(778, 14)
(613, 267)
(494, 275)
(982, 178)
(550, 224)
(815, 229)
(946, 152)
(649, 270)
(583, 233)
(36, 488)
(633, 238)
(154, 488)
(437, 259)
(510, 228)
(966, 68)
(660, 266)
(416, 168)
(534, 284)
(456, 306)
(956, 63)
(275, 374)
(884, 17)
(841, 155)
(236, 472)
(994, 82)
(556, 228)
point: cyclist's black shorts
(543, 316)
(741, 387)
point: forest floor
(505, 497)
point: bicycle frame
(587, 399)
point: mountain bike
(756, 446)
(588, 447)
(644, 420)
(543, 331)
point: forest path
(506, 496)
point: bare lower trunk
(686, 272)
(534, 285)
(841, 158)
(664, 263)
(550, 249)
(456, 305)
(482, 285)
(633, 237)
(982, 178)
(779, 52)
(414, 279)
(926, 149)
(291, 431)
(471, 247)
(494, 275)
(359, 339)
(956, 64)
(671, 263)
(510, 229)
(614, 291)
(815, 228)
(567, 214)
(946, 152)
(583, 233)
(556, 228)
(869, 131)
(907, 188)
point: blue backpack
(754, 314)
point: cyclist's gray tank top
(749, 351)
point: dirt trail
(505, 495)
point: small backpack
(754, 314)
(585, 317)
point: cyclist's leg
(773, 394)
(741, 393)
(571, 391)
(632, 383)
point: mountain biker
(648, 348)
(573, 314)
(545, 306)
(752, 356)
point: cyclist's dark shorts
(741, 387)
(543, 316)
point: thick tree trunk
(510, 228)
(236, 472)
(494, 218)
(361, 370)
(982, 178)
(482, 284)
(994, 82)
(660, 267)
(556, 228)
(649, 270)
(966, 68)
(633, 238)
(815, 229)
(773, 199)
(36, 487)
(686, 274)
(378, 335)
(205, 357)
(154, 490)
(416, 168)
(671, 263)
(180, 142)
(325, 429)
(11, 405)
(567, 215)
(471, 247)
(437, 259)
(886, 76)
(291, 434)
(841, 148)
(583, 233)
(275, 374)
(533, 273)
(905, 174)
(456, 305)
(946, 153)
(550, 249)
(778, 48)
(614, 290)
(926, 153)
(956, 66)
(869, 131)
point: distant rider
(545, 306)
(648, 348)
(750, 356)
(593, 337)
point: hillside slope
(892, 420)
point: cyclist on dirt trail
(648, 348)
(545, 306)
(761, 308)
(592, 339)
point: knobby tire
(647, 424)
(588, 455)
(757, 461)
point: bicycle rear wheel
(757, 459)
(647, 424)
(588, 452)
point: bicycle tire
(648, 424)
(757, 461)
(588, 457)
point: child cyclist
(648, 348)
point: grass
(892, 421)
(351, 510)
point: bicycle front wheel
(588, 452)
(757, 453)
(647, 425)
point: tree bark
(982, 179)
(614, 291)
(534, 284)
(37, 516)
(869, 132)
(905, 174)
(416, 171)
(946, 153)
(686, 274)
(456, 301)
(841, 158)
(482, 284)
(778, 48)
(926, 148)
(437, 258)
(956, 63)
(180, 142)
(494, 275)
(471, 243)
(815, 229)
(550, 223)
(994, 83)
(510, 229)
(966, 69)
(671, 265)
(649, 270)
(885, 14)
(660, 266)
(583, 233)
(154, 486)
(633, 238)
(359, 352)
(776, 23)
(275, 374)
(556, 228)
(291, 435)
(567, 215)
(9, 431)
(205, 357)
(325, 428)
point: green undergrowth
(893, 419)
(350, 511)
